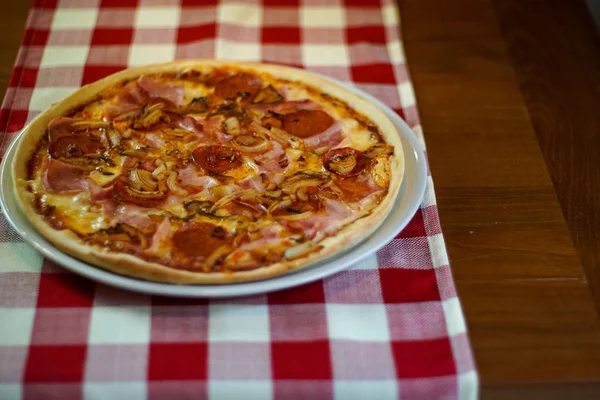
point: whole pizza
(208, 172)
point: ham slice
(162, 233)
(59, 127)
(319, 224)
(190, 124)
(254, 182)
(288, 106)
(172, 93)
(138, 221)
(189, 176)
(269, 161)
(97, 192)
(130, 98)
(153, 140)
(60, 177)
(329, 138)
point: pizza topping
(176, 171)
(268, 95)
(190, 124)
(306, 123)
(60, 177)
(232, 126)
(241, 84)
(345, 161)
(123, 191)
(155, 88)
(217, 159)
(162, 233)
(97, 192)
(130, 98)
(379, 149)
(75, 146)
(200, 239)
(251, 144)
(331, 137)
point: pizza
(208, 172)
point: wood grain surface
(494, 80)
(532, 320)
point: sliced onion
(232, 126)
(294, 217)
(161, 169)
(301, 180)
(300, 250)
(379, 149)
(146, 178)
(90, 124)
(113, 138)
(223, 190)
(172, 184)
(217, 254)
(230, 197)
(285, 138)
(250, 144)
(280, 204)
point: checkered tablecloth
(391, 326)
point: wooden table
(508, 92)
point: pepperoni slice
(200, 239)
(306, 123)
(217, 159)
(345, 161)
(74, 146)
(123, 193)
(243, 84)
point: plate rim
(312, 273)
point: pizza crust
(129, 265)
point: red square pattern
(362, 3)
(65, 290)
(415, 228)
(195, 33)
(92, 73)
(119, 3)
(196, 3)
(42, 365)
(373, 73)
(36, 37)
(177, 361)
(369, 34)
(311, 360)
(178, 301)
(402, 285)
(112, 36)
(311, 293)
(23, 77)
(17, 120)
(423, 358)
(278, 35)
(45, 3)
(290, 3)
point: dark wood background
(509, 96)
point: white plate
(407, 203)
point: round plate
(407, 203)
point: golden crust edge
(132, 266)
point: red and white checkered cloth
(389, 327)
